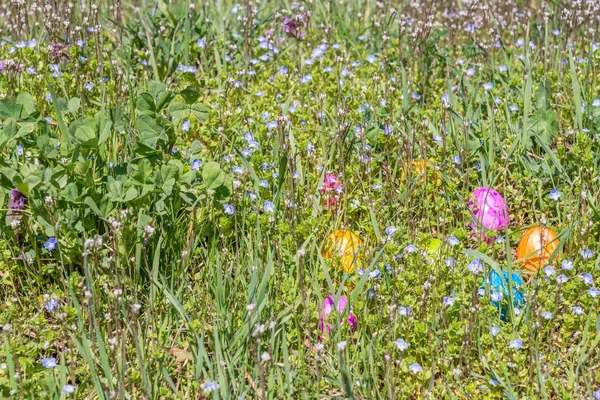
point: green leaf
(150, 131)
(155, 88)
(145, 104)
(190, 95)
(73, 105)
(26, 100)
(9, 109)
(212, 175)
(179, 111)
(86, 136)
(200, 112)
(544, 124)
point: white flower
(342, 345)
(265, 357)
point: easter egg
(499, 290)
(423, 167)
(489, 212)
(536, 246)
(345, 246)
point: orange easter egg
(536, 246)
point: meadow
(322, 199)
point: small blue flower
(263, 183)
(547, 315)
(577, 310)
(450, 262)
(404, 311)
(588, 279)
(411, 248)
(390, 230)
(185, 126)
(549, 270)
(371, 59)
(516, 344)
(554, 195)
(586, 254)
(513, 108)
(401, 344)
(268, 206)
(374, 274)
(306, 78)
(475, 266)
(69, 389)
(196, 164)
(456, 160)
(49, 362)
(19, 150)
(50, 244)
(453, 241)
(415, 368)
(496, 296)
(567, 265)
(562, 278)
(448, 301)
(494, 330)
(593, 292)
(52, 305)
(251, 194)
(228, 209)
(488, 86)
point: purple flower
(16, 203)
(328, 307)
(489, 211)
(16, 200)
(292, 26)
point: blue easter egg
(499, 290)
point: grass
(179, 154)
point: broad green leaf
(212, 175)
(200, 111)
